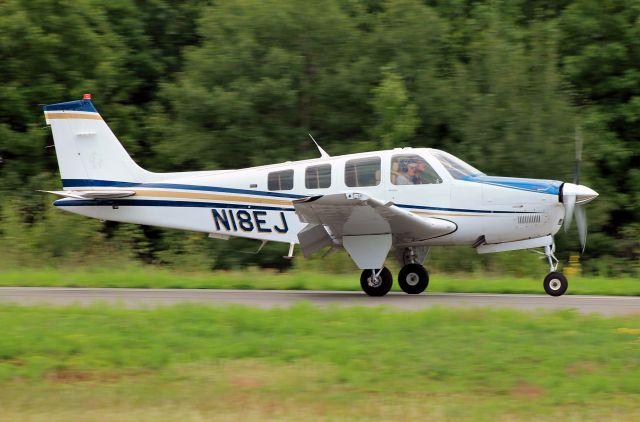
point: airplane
(401, 201)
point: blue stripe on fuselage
(420, 207)
(551, 187)
(195, 204)
(174, 203)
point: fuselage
(257, 202)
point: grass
(153, 277)
(193, 362)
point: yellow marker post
(574, 267)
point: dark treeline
(195, 84)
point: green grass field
(153, 277)
(195, 362)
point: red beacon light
(86, 97)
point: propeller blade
(576, 176)
(569, 206)
(581, 222)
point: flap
(358, 214)
(313, 238)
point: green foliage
(600, 57)
(195, 84)
(396, 115)
(53, 238)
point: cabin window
(362, 172)
(318, 177)
(280, 180)
(411, 169)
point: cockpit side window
(280, 180)
(456, 167)
(411, 169)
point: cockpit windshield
(455, 166)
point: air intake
(529, 219)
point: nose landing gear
(555, 283)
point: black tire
(413, 279)
(555, 284)
(378, 287)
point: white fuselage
(240, 203)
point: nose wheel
(413, 279)
(555, 284)
(376, 282)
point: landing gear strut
(555, 283)
(376, 282)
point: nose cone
(583, 194)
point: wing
(354, 214)
(91, 194)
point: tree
(48, 51)
(600, 52)
(265, 75)
(396, 115)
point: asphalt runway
(141, 298)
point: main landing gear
(555, 283)
(412, 279)
(376, 282)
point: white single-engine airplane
(405, 199)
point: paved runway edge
(140, 298)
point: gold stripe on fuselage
(60, 115)
(210, 196)
(268, 201)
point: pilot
(407, 176)
(418, 172)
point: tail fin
(86, 148)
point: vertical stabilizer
(86, 147)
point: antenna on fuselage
(323, 153)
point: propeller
(576, 176)
(575, 196)
(581, 222)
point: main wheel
(555, 284)
(413, 279)
(376, 286)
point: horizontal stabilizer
(91, 194)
